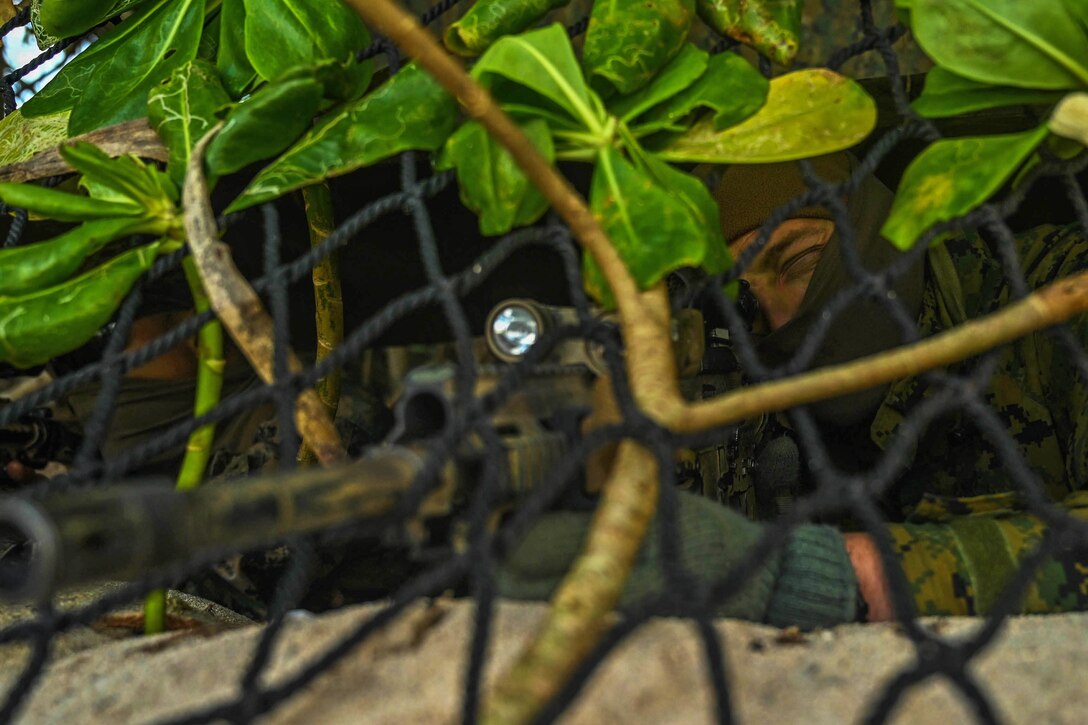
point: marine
(956, 513)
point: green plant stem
(328, 299)
(240, 309)
(209, 386)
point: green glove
(810, 583)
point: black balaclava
(866, 326)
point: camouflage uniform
(964, 529)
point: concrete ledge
(412, 672)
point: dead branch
(241, 311)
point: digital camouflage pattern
(964, 528)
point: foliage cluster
(1001, 53)
(289, 81)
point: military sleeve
(960, 554)
(962, 565)
(1050, 254)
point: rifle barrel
(123, 532)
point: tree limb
(592, 587)
(241, 311)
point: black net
(418, 278)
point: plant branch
(131, 137)
(578, 615)
(328, 300)
(241, 311)
(209, 386)
(1046, 307)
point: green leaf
(730, 87)
(701, 205)
(807, 113)
(409, 111)
(947, 94)
(183, 108)
(1079, 10)
(37, 327)
(208, 47)
(21, 138)
(952, 177)
(109, 82)
(63, 206)
(1070, 118)
(32, 267)
(542, 61)
(628, 41)
(118, 89)
(653, 231)
(492, 184)
(232, 62)
(489, 20)
(59, 19)
(264, 124)
(145, 185)
(281, 35)
(678, 74)
(1004, 42)
(772, 27)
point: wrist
(869, 571)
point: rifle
(35, 440)
(124, 531)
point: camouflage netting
(416, 278)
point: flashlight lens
(514, 330)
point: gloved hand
(810, 583)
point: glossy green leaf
(21, 137)
(1079, 10)
(683, 70)
(183, 108)
(1004, 42)
(264, 124)
(730, 87)
(38, 327)
(807, 113)
(281, 35)
(144, 184)
(231, 60)
(700, 203)
(947, 94)
(653, 230)
(109, 82)
(542, 61)
(208, 47)
(55, 20)
(772, 27)
(117, 90)
(409, 111)
(61, 205)
(492, 183)
(31, 267)
(952, 177)
(629, 41)
(489, 20)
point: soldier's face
(780, 274)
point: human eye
(801, 265)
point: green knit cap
(749, 193)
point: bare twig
(131, 137)
(241, 311)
